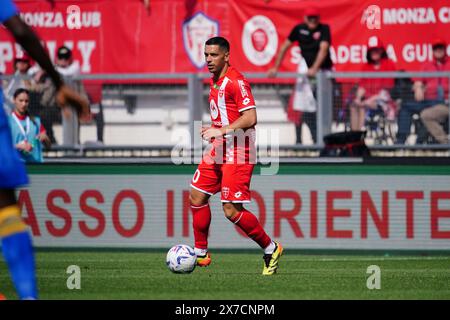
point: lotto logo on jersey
(242, 87)
(221, 91)
(213, 108)
(246, 101)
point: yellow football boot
(204, 261)
(271, 260)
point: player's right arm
(30, 42)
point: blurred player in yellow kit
(17, 246)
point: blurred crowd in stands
(29, 96)
(388, 104)
(370, 103)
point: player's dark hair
(16, 94)
(219, 41)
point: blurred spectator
(314, 39)
(435, 118)
(65, 64)
(69, 69)
(428, 92)
(49, 112)
(27, 132)
(402, 90)
(373, 94)
(22, 63)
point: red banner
(120, 36)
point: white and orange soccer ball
(181, 259)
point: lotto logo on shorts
(238, 194)
(225, 192)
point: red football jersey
(228, 97)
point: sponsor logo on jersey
(196, 31)
(259, 40)
(225, 192)
(244, 92)
(246, 101)
(213, 108)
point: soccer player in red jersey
(228, 165)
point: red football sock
(251, 226)
(202, 220)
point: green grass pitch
(236, 275)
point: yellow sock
(11, 221)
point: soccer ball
(181, 259)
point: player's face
(21, 103)
(216, 58)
